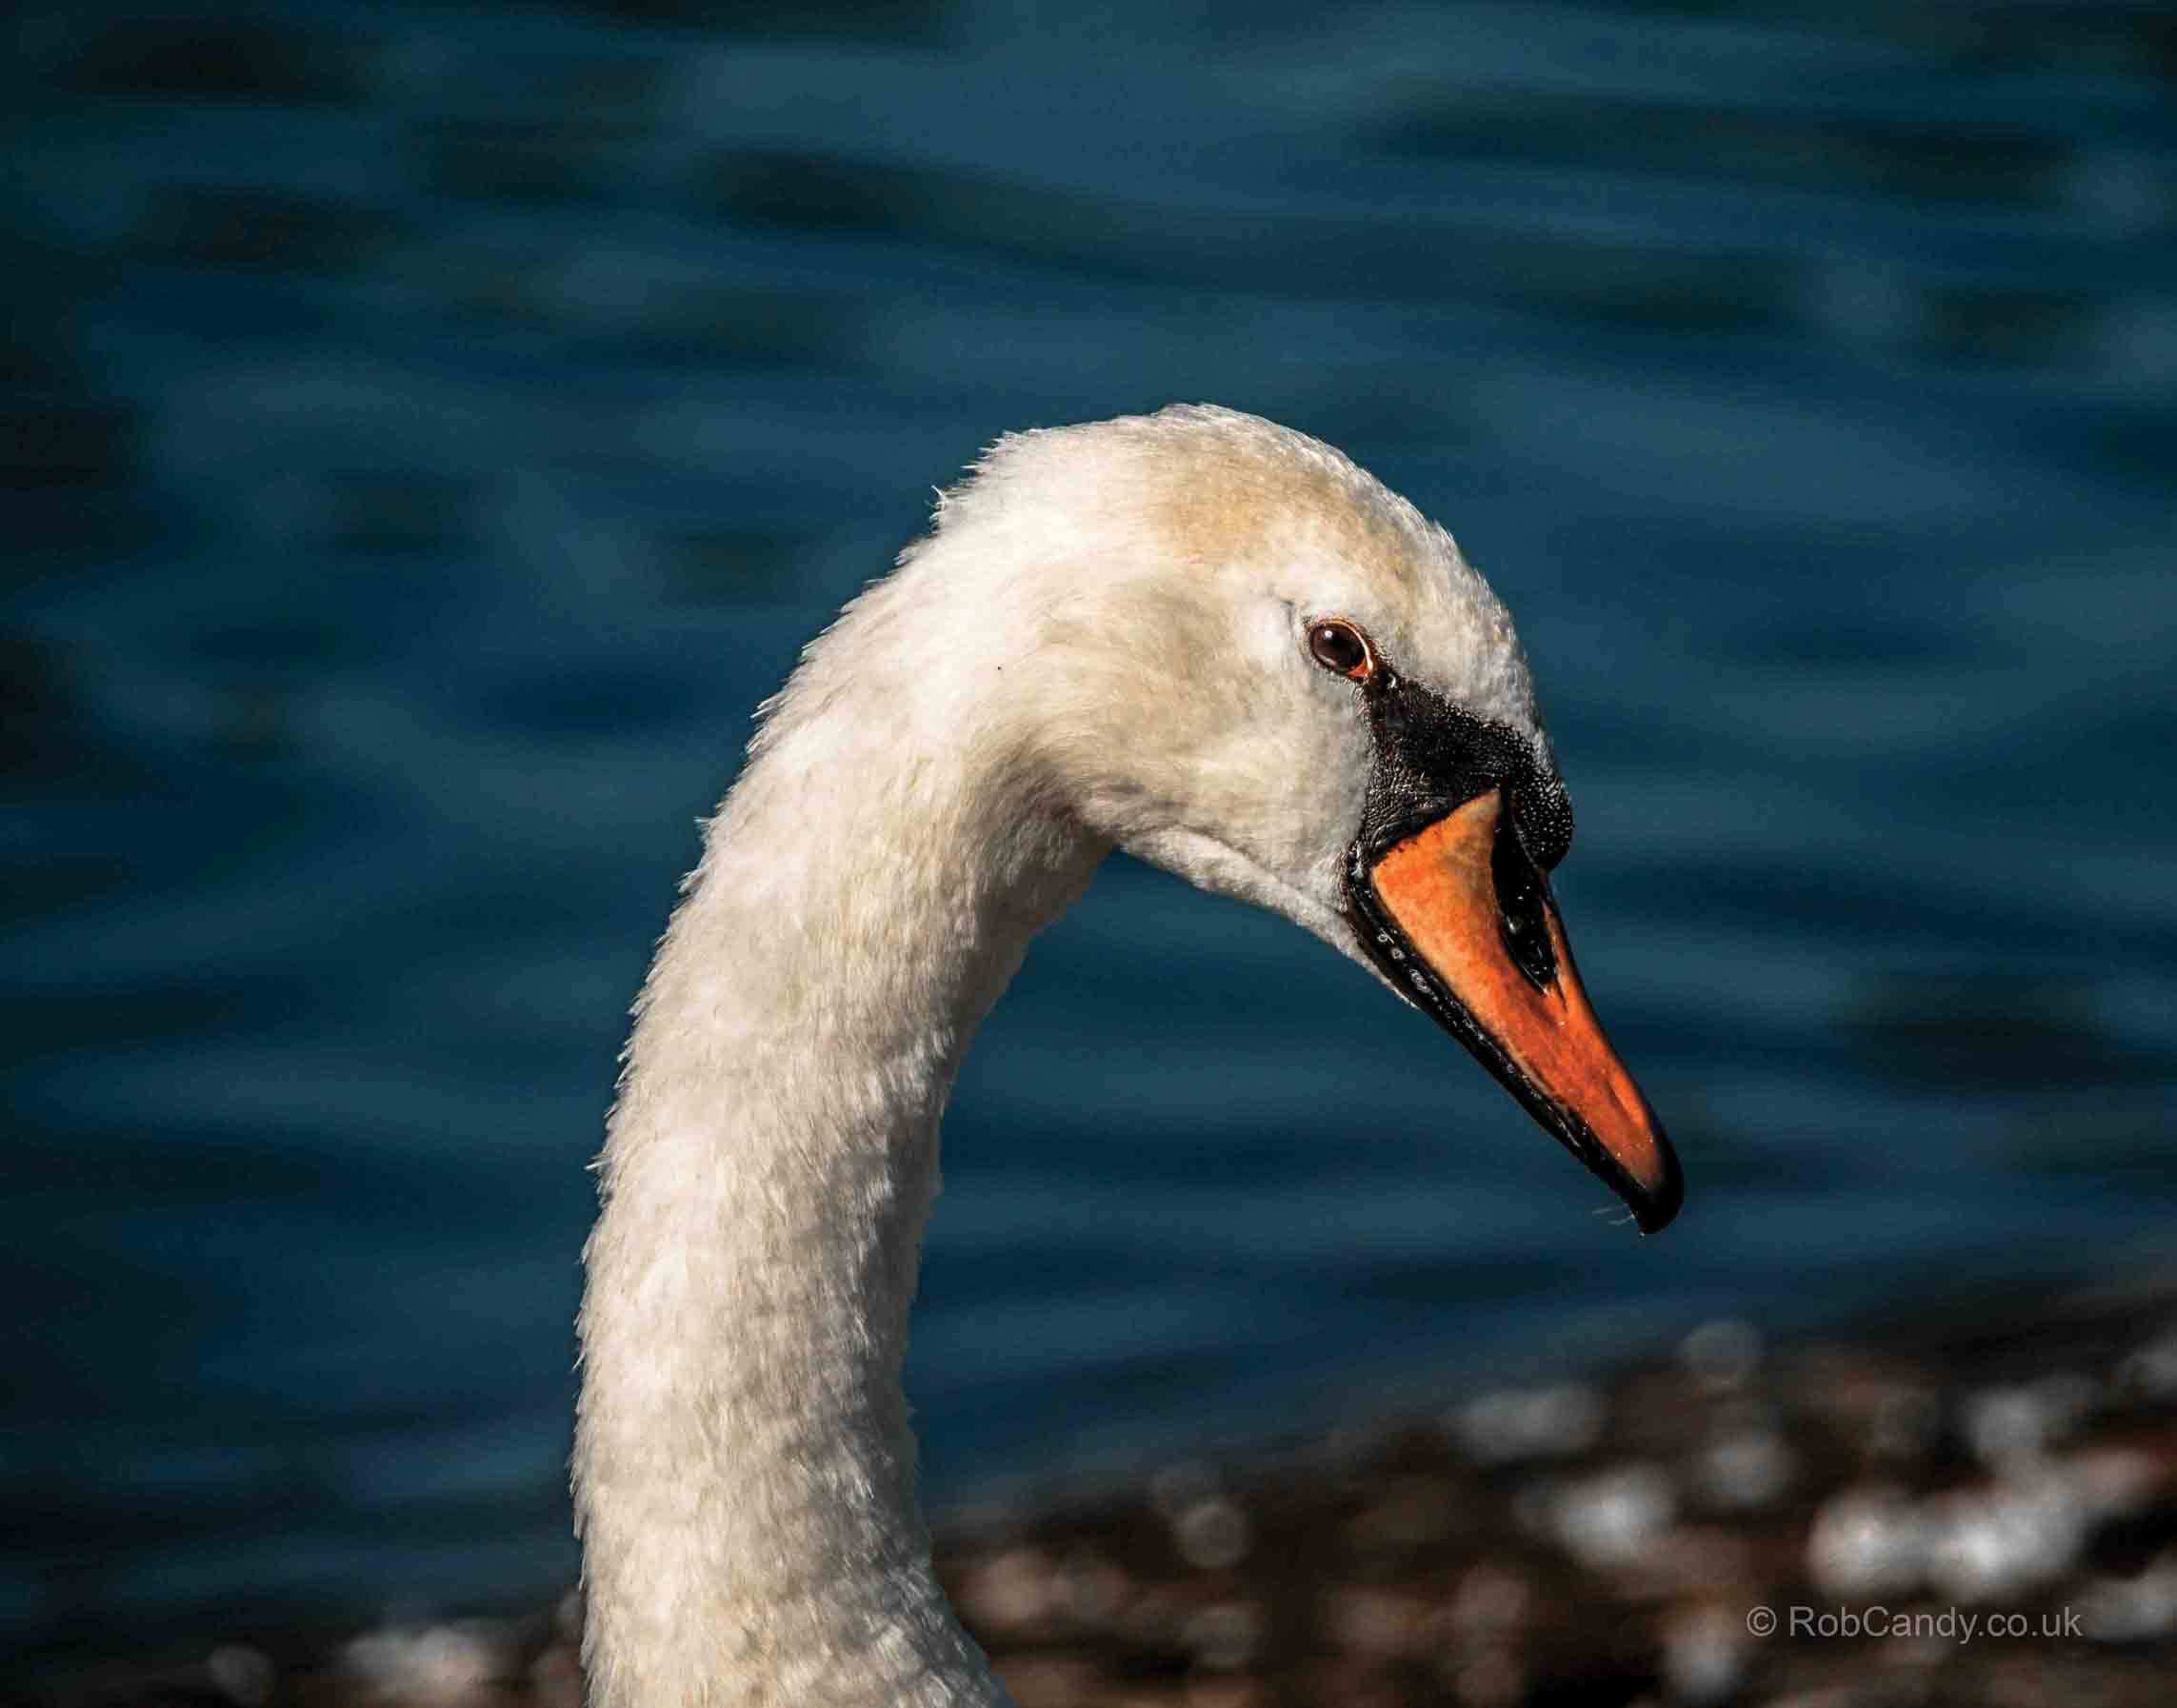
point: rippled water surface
(434, 431)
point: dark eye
(1336, 645)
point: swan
(1208, 640)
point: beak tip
(1654, 1206)
(1654, 1218)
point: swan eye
(1336, 645)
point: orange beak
(1468, 929)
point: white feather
(1099, 643)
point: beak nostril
(1522, 900)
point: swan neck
(745, 1471)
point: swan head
(1245, 660)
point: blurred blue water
(436, 429)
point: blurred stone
(1211, 1534)
(1704, 1654)
(1998, 1545)
(1608, 1521)
(1744, 1468)
(2111, 1481)
(2140, 1609)
(2004, 1426)
(1008, 1592)
(242, 1675)
(1521, 1423)
(438, 1664)
(2151, 1372)
(2008, 1426)
(1088, 1589)
(1867, 1540)
(2069, 1398)
(1722, 1356)
(1175, 1487)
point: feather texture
(1100, 643)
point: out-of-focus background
(431, 429)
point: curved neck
(744, 1469)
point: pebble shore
(1982, 1517)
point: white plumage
(1100, 643)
